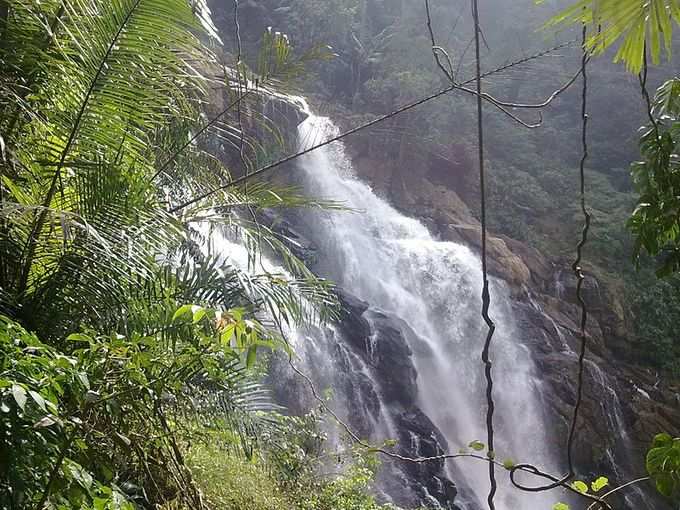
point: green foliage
(639, 25)
(477, 446)
(232, 483)
(580, 486)
(509, 464)
(599, 484)
(663, 465)
(102, 413)
(349, 492)
(294, 471)
(656, 304)
(126, 333)
(317, 478)
(655, 220)
(85, 226)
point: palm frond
(638, 25)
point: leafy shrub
(663, 465)
(104, 423)
(232, 483)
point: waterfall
(394, 264)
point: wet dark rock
(355, 326)
(283, 114)
(418, 437)
(296, 242)
(358, 389)
(381, 341)
(390, 354)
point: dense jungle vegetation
(132, 351)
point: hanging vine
(486, 297)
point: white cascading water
(394, 263)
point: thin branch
(576, 266)
(556, 482)
(550, 98)
(645, 94)
(449, 73)
(501, 105)
(619, 488)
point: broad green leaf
(100, 503)
(560, 506)
(198, 313)
(19, 394)
(227, 334)
(77, 473)
(44, 422)
(662, 440)
(82, 377)
(38, 399)
(663, 464)
(79, 337)
(508, 464)
(580, 486)
(182, 310)
(251, 357)
(478, 446)
(635, 26)
(599, 484)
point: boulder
(418, 437)
(391, 356)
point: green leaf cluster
(663, 465)
(105, 414)
(654, 222)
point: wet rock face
(296, 242)
(418, 437)
(390, 355)
(622, 408)
(380, 340)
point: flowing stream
(393, 263)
